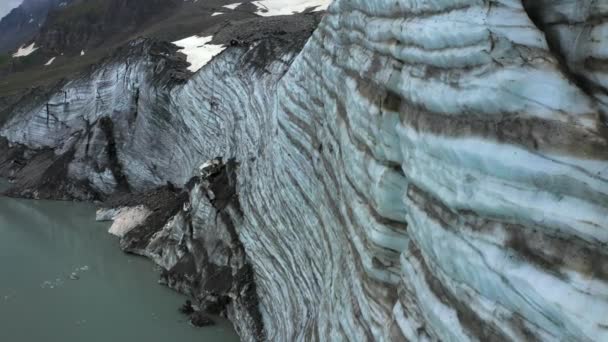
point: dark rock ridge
(199, 319)
(191, 233)
(415, 170)
(22, 23)
(41, 174)
(86, 24)
(208, 262)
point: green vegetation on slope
(4, 59)
(91, 10)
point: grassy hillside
(82, 10)
(4, 59)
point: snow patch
(82, 52)
(232, 6)
(216, 13)
(25, 51)
(197, 51)
(50, 61)
(269, 8)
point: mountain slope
(82, 33)
(23, 22)
(88, 24)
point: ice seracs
(197, 51)
(25, 51)
(285, 7)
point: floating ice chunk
(50, 61)
(25, 51)
(105, 214)
(285, 7)
(232, 6)
(84, 268)
(48, 284)
(197, 50)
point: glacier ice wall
(421, 170)
(458, 170)
(455, 119)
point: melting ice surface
(65, 279)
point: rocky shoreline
(209, 265)
(210, 268)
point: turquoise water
(114, 298)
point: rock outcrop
(23, 22)
(418, 170)
(87, 24)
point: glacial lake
(114, 298)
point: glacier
(423, 170)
